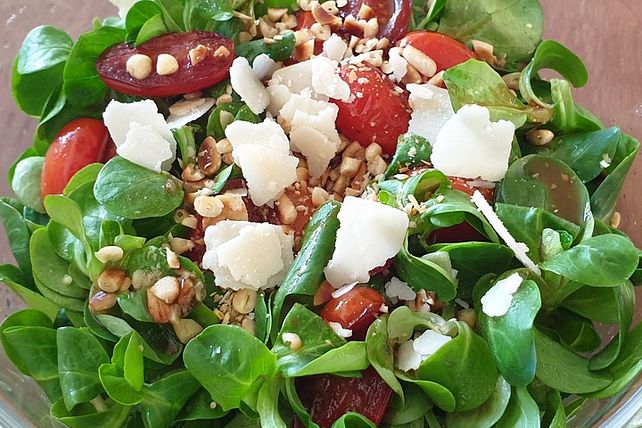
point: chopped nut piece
(365, 12)
(292, 340)
(166, 64)
(372, 151)
(616, 218)
(209, 160)
(512, 80)
(275, 14)
(172, 259)
(113, 280)
(437, 79)
(467, 316)
(286, 212)
(186, 329)
(324, 17)
(354, 150)
(267, 28)
(353, 26)
(305, 5)
(330, 6)
(244, 301)
(190, 221)
(245, 36)
(377, 166)
(319, 196)
(222, 52)
(248, 325)
(321, 32)
(371, 29)
(349, 166)
(224, 146)
(139, 66)
(167, 289)
(224, 99)
(197, 55)
(160, 311)
(191, 173)
(110, 253)
(412, 75)
(180, 245)
(102, 301)
(304, 52)
(540, 137)
(302, 174)
(208, 206)
(419, 60)
(485, 51)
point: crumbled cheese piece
(396, 65)
(318, 73)
(397, 289)
(121, 118)
(334, 48)
(519, 248)
(262, 151)
(369, 234)
(315, 146)
(339, 330)
(442, 258)
(145, 147)
(343, 290)
(429, 342)
(431, 109)
(279, 96)
(267, 172)
(247, 255)
(186, 111)
(263, 66)
(248, 86)
(267, 134)
(407, 358)
(606, 161)
(470, 145)
(412, 353)
(497, 300)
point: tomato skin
(355, 310)
(112, 68)
(329, 397)
(78, 144)
(379, 115)
(393, 16)
(304, 20)
(444, 50)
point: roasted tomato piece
(444, 50)
(78, 144)
(329, 397)
(355, 310)
(214, 64)
(393, 16)
(378, 113)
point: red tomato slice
(189, 78)
(78, 144)
(377, 114)
(355, 310)
(393, 15)
(463, 184)
(444, 50)
(329, 397)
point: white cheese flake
(335, 47)
(127, 124)
(519, 248)
(248, 86)
(429, 342)
(397, 289)
(497, 300)
(318, 73)
(268, 134)
(369, 234)
(315, 146)
(431, 109)
(145, 147)
(470, 145)
(247, 255)
(186, 111)
(263, 66)
(407, 358)
(339, 330)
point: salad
(349, 213)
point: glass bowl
(604, 34)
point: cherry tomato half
(355, 310)
(189, 78)
(393, 15)
(78, 144)
(444, 50)
(329, 397)
(377, 114)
